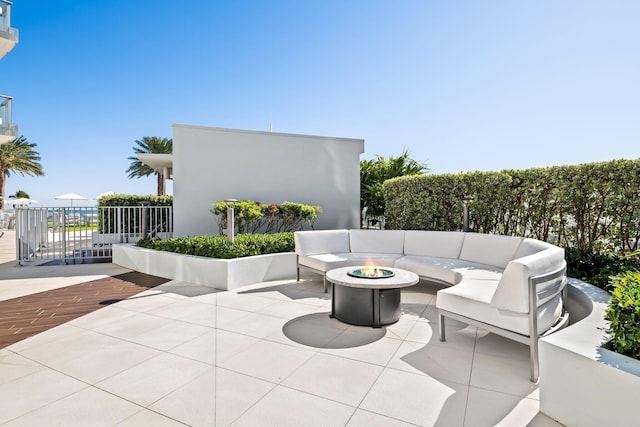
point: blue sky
(463, 85)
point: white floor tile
(153, 379)
(489, 408)
(417, 399)
(193, 403)
(364, 344)
(503, 374)
(235, 394)
(285, 407)
(447, 364)
(267, 360)
(336, 378)
(31, 392)
(202, 348)
(363, 418)
(87, 407)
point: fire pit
(371, 273)
(368, 296)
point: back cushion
(440, 244)
(321, 242)
(377, 241)
(489, 249)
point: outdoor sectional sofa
(511, 286)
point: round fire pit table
(368, 301)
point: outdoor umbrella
(21, 201)
(71, 197)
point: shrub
(624, 314)
(255, 217)
(218, 247)
(598, 268)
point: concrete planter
(225, 274)
(581, 383)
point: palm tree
(18, 156)
(373, 173)
(150, 145)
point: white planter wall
(216, 273)
(581, 383)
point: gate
(70, 234)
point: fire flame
(370, 269)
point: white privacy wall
(213, 164)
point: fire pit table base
(368, 301)
(365, 307)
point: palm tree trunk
(162, 184)
(3, 180)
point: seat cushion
(438, 269)
(326, 262)
(471, 298)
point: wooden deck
(29, 315)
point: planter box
(581, 383)
(224, 274)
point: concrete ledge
(581, 383)
(224, 274)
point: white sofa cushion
(377, 241)
(530, 247)
(471, 298)
(321, 242)
(489, 249)
(439, 269)
(326, 262)
(513, 292)
(439, 244)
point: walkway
(180, 354)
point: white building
(8, 40)
(213, 164)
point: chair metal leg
(535, 360)
(324, 284)
(298, 274)
(441, 328)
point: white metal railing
(72, 234)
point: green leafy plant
(254, 217)
(624, 314)
(598, 268)
(218, 246)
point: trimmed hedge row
(253, 217)
(593, 206)
(218, 246)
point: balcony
(8, 35)
(8, 130)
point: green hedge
(218, 247)
(130, 218)
(593, 206)
(597, 268)
(253, 217)
(624, 314)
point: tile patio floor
(267, 354)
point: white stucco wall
(213, 164)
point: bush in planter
(598, 268)
(218, 246)
(624, 314)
